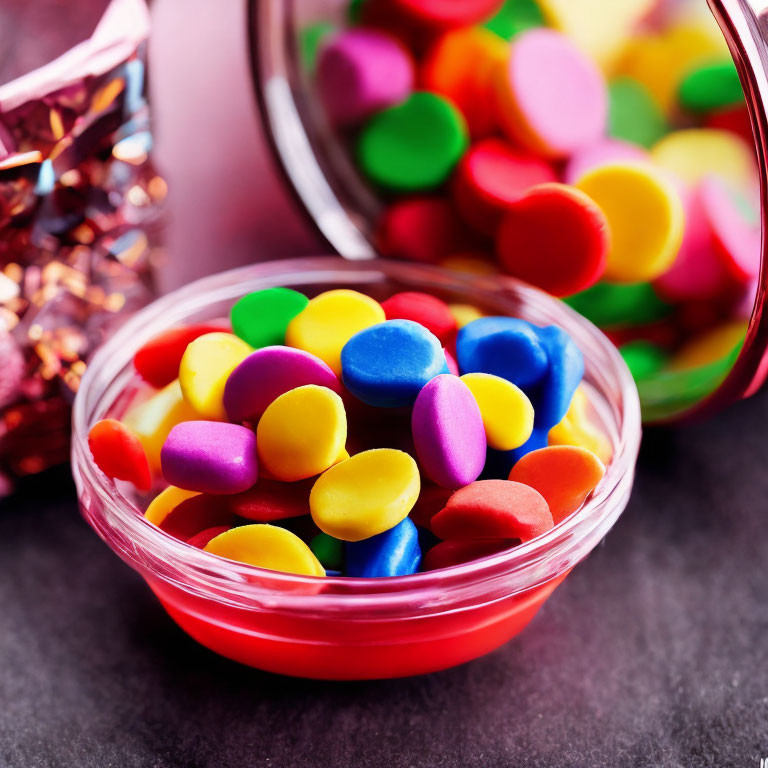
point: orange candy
(119, 454)
(563, 474)
(461, 65)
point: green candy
(633, 114)
(329, 551)
(613, 304)
(260, 318)
(514, 17)
(643, 358)
(414, 145)
(711, 87)
(310, 40)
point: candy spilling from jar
(601, 151)
(341, 436)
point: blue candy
(499, 463)
(555, 391)
(504, 346)
(388, 364)
(395, 552)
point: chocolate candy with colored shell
(119, 454)
(261, 318)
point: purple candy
(360, 72)
(448, 432)
(268, 373)
(210, 457)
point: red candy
(493, 509)
(448, 13)
(424, 229)
(200, 540)
(491, 177)
(422, 308)
(271, 500)
(119, 454)
(448, 553)
(197, 514)
(157, 362)
(556, 238)
(432, 499)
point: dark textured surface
(653, 653)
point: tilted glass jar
(345, 210)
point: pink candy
(448, 432)
(360, 72)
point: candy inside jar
(604, 154)
(343, 435)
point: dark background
(653, 653)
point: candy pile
(599, 150)
(340, 435)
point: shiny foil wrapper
(80, 210)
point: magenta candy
(600, 153)
(268, 373)
(448, 432)
(360, 72)
(210, 457)
(450, 360)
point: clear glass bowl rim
(156, 554)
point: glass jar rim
(158, 554)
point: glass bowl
(345, 209)
(344, 628)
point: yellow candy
(365, 495)
(302, 433)
(204, 371)
(165, 502)
(266, 546)
(695, 153)
(464, 314)
(645, 217)
(507, 412)
(661, 61)
(710, 347)
(470, 265)
(577, 429)
(153, 419)
(329, 321)
(598, 27)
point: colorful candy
(118, 453)
(258, 487)
(205, 368)
(266, 546)
(302, 433)
(413, 146)
(494, 509)
(261, 318)
(365, 495)
(268, 373)
(395, 552)
(505, 409)
(564, 475)
(329, 321)
(448, 432)
(210, 457)
(585, 147)
(387, 365)
(360, 72)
